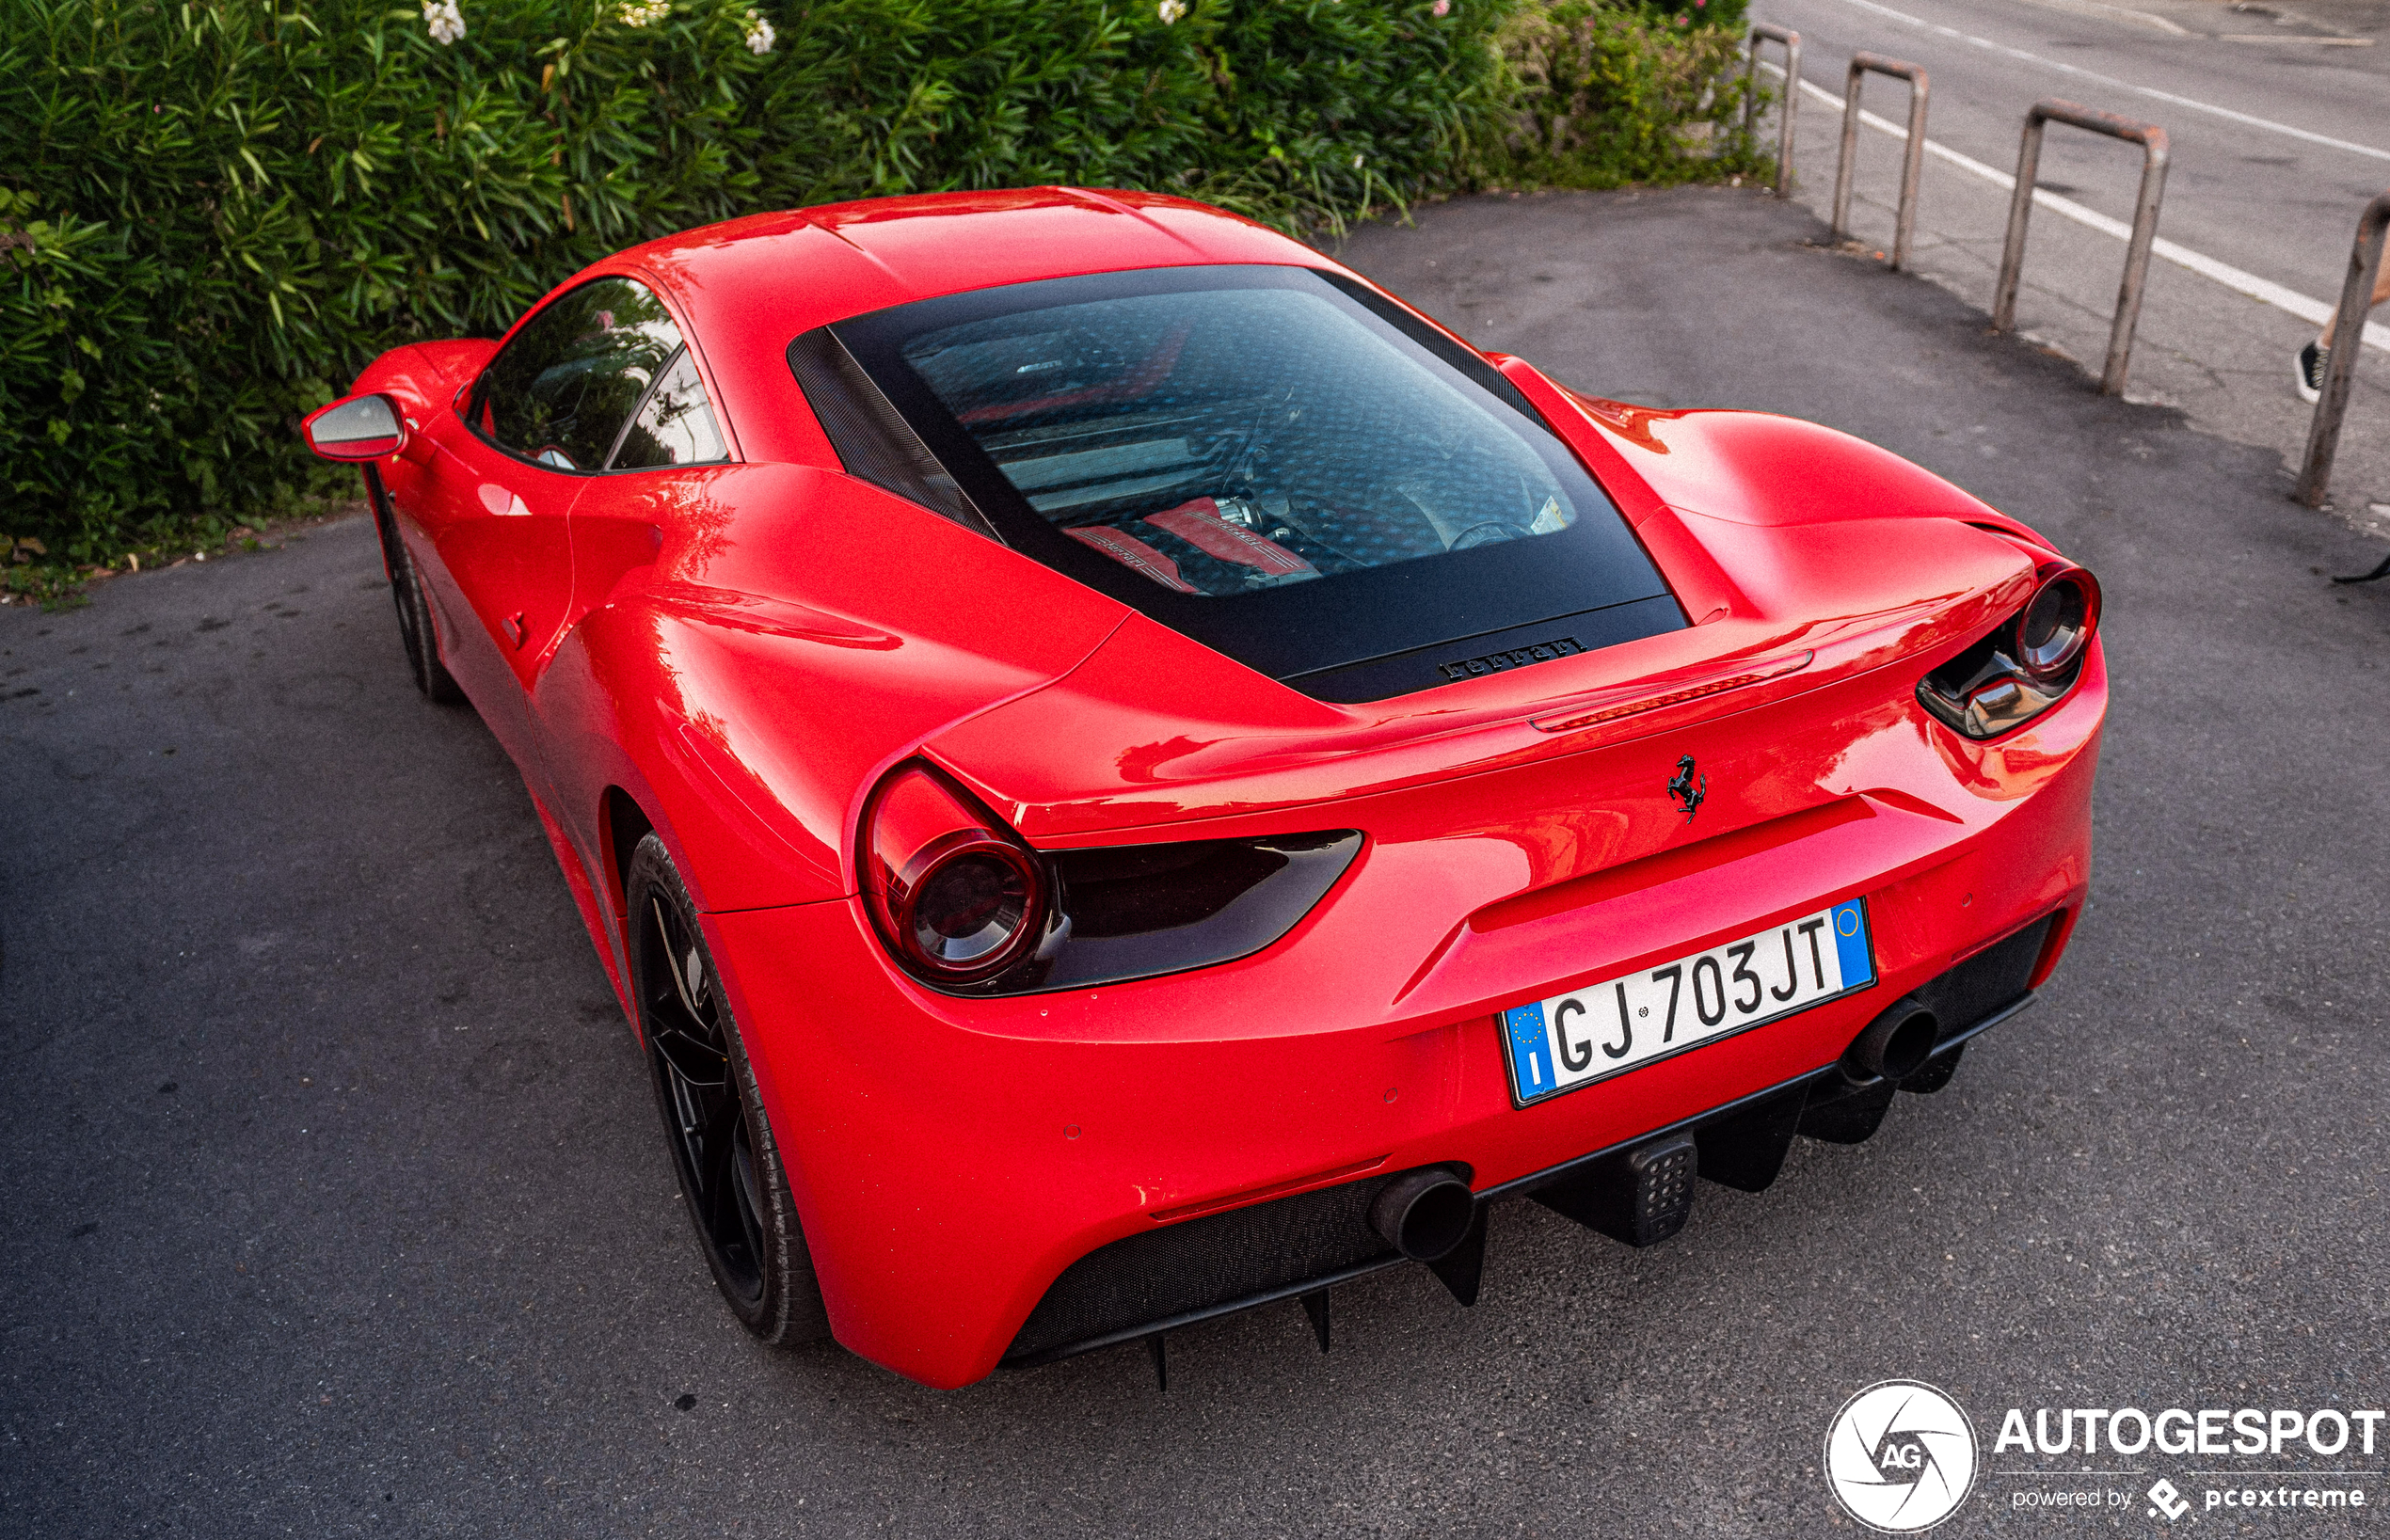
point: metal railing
(2348, 336)
(1904, 222)
(1792, 41)
(2020, 208)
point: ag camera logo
(1900, 1457)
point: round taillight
(968, 907)
(2058, 622)
(954, 894)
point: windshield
(1294, 473)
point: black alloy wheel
(414, 610)
(723, 1152)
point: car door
(657, 476)
(539, 424)
(663, 474)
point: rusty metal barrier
(1792, 41)
(1904, 222)
(2020, 208)
(2348, 336)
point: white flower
(644, 12)
(1172, 10)
(447, 24)
(759, 35)
(1356, 163)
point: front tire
(432, 677)
(723, 1150)
(415, 629)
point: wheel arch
(622, 823)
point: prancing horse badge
(1687, 790)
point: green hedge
(1610, 95)
(214, 211)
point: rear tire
(723, 1152)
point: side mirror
(356, 428)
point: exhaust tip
(1424, 1215)
(1896, 1044)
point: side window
(561, 391)
(674, 426)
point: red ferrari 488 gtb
(1121, 774)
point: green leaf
(241, 202)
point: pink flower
(1442, 8)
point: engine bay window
(1220, 443)
(1272, 460)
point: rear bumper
(1283, 1248)
(954, 1161)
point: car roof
(808, 267)
(745, 288)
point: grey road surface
(2248, 93)
(332, 1203)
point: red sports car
(1122, 774)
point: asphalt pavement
(334, 1202)
(2277, 114)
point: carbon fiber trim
(1998, 976)
(873, 440)
(1206, 1266)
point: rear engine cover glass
(1287, 470)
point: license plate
(1626, 1022)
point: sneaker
(2313, 361)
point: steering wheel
(1488, 533)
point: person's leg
(2314, 358)
(2380, 292)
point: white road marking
(2314, 311)
(2115, 13)
(2150, 91)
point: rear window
(1287, 470)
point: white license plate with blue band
(1626, 1022)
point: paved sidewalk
(332, 1203)
(2223, 357)
(1717, 296)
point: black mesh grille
(1992, 979)
(1200, 1265)
(873, 442)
